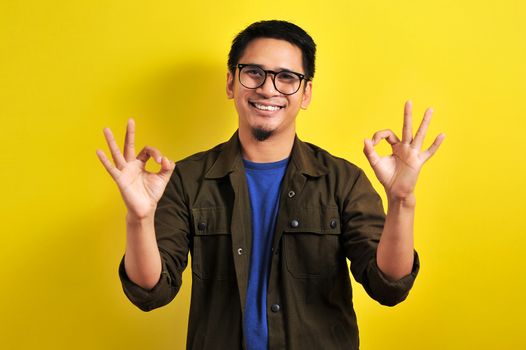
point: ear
(307, 95)
(229, 85)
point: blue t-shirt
(264, 181)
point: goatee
(261, 134)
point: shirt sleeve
(385, 291)
(148, 299)
(172, 230)
(363, 220)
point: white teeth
(266, 108)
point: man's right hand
(140, 189)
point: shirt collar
(230, 159)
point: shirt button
(240, 251)
(333, 224)
(294, 223)
(292, 194)
(275, 308)
(201, 226)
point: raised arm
(141, 191)
(398, 173)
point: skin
(397, 172)
(141, 191)
(275, 55)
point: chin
(261, 134)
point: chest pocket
(212, 247)
(311, 243)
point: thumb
(370, 152)
(167, 167)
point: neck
(273, 149)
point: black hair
(274, 29)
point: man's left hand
(399, 171)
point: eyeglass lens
(285, 82)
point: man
(269, 220)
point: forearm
(142, 260)
(395, 252)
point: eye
(287, 76)
(253, 71)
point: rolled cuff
(148, 299)
(388, 292)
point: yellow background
(68, 69)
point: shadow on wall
(185, 106)
(65, 291)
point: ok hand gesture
(140, 189)
(399, 171)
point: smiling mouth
(263, 107)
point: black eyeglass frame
(267, 72)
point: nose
(268, 87)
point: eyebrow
(277, 69)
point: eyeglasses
(286, 82)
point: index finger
(129, 141)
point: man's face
(265, 110)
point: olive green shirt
(328, 213)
